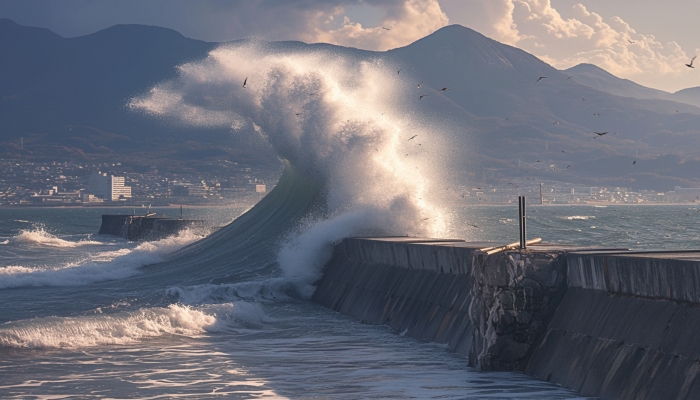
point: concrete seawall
(606, 323)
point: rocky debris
(514, 294)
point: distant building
(686, 194)
(108, 187)
(260, 188)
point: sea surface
(86, 315)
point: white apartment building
(108, 187)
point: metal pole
(522, 222)
(541, 197)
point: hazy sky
(561, 32)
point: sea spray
(39, 236)
(119, 328)
(343, 121)
(102, 266)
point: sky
(647, 41)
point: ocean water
(77, 323)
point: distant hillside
(67, 97)
(519, 121)
(690, 96)
(600, 79)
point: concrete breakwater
(139, 227)
(606, 323)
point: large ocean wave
(344, 124)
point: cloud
(582, 36)
(406, 20)
(225, 20)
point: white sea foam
(120, 328)
(349, 121)
(41, 237)
(580, 217)
(259, 291)
(103, 266)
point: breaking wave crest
(347, 124)
(125, 327)
(103, 266)
(41, 237)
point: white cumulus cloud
(582, 36)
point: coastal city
(24, 183)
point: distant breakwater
(608, 323)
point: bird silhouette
(630, 41)
(569, 78)
(540, 78)
(423, 95)
(412, 137)
(444, 89)
(691, 62)
(420, 84)
(388, 29)
(634, 162)
(601, 133)
(568, 166)
(245, 81)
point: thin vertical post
(541, 196)
(180, 211)
(522, 217)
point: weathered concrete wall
(627, 328)
(610, 324)
(420, 291)
(667, 275)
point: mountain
(72, 92)
(689, 96)
(519, 120)
(600, 79)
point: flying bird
(634, 162)
(691, 62)
(568, 166)
(537, 161)
(569, 78)
(245, 81)
(596, 114)
(412, 137)
(398, 72)
(420, 84)
(555, 123)
(506, 119)
(444, 89)
(385, 28)
(630, 41)
(601, 133)
(423, 95)
(541, 77)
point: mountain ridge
(495, 91)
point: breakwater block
(627, 328)
(138, 227)
(420, 291)
(608, 323)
